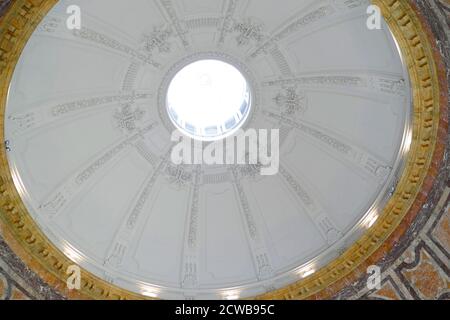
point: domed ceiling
(89, 140)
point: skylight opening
(209, 100)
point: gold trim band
(29, 242)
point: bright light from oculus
(209, 100)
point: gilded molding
(29, 242)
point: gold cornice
(29, 242)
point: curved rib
(366, 82)
(367, 164)
(54, 26)
(190, 259)
(133, 218)
(319, 12)
(44, 116)
(260, 255)
(324, 224)
(59, 199)
(175, 21)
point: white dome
(89, 131)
